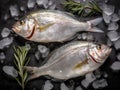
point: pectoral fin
(79, 65)
(43, 27)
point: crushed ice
(14, 10)
(115, 65)
(10, 70)
(48, 85)
(5, 42)
(64, 87)
(99, 84)
(5, 32)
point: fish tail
(93, 23)
(34, 72)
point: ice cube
(6, 16)
(10, 70)
(106, 18)
(115, 65)
(118, 56)
(14, 10)
(50, 2)
(45, 54)
(84, 36)
(115, 18)
(113, 26)
(79, 36)
(99, 84)
(90, 77)
(22, 8)
(5, 32)
(31, 3)
(42, 49)
(113, 35)
(79, 88)
(117, 44)
(52, 7)
(85, 83)
(108, 9)
(42, 2)
(90, 37)
(64, 87)
(5, 42)
(97, 73)
(109, 43)
(48, 85)
(105, 75)
(28, 47)
(37, 55)
(2, 56)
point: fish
(52, 26)
(71, 60)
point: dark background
(9, 84)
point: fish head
(99, 52)
(25, 26)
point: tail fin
(93, 23)
(34, 72)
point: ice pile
(5, 42)
(116, 65)
(14, 10)
(5, 32)
(10, 70)
(64, 87)
(89, 78)
(99, 84)
(48, 85)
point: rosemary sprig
(21, 61)
(83, 10)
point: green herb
(21, 61)
(88, 9)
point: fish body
(72, 60)
(52, 26)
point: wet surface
(106, 77)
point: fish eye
(22, 22)
(99, 47)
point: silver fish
(52, 26)
(72, 60)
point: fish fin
(95, 29)
(93, 23)
(33, 72)
(79, 65)
(43, 27)
(96, 21)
